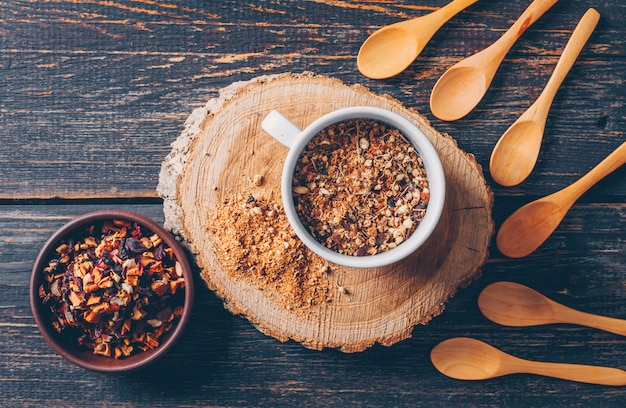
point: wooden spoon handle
(572, 49)
(607, 166)
(576, 372)
(436, 19)
(572, 316)
(536, 9)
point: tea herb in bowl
(360, 187)
(115, 289)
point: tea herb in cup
(360, 187)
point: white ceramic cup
(283, 130)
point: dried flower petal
(111, 291)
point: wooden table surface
(92, 94)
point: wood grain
(93, 93)
(223, 147)
(126, 74)
(223, 360)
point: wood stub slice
(223, 155)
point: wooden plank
(93, 94)
(223, 360)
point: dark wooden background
(93, 92)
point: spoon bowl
(512, 304)
(464, 358)
(463, 85)
(460, 89)
(514, 156)
(391, 49)
(467, 359)
(388, 61)
(528, 227)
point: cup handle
(280, 128)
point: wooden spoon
(515, 154)
(470, 359)
(390, 50)
(528, 227)
(463, 85)
(512, 304)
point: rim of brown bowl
(86, 358)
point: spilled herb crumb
(255, 243)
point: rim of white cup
(432, 165)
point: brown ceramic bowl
(84, 357)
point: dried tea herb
(255, 242)
(360, 187)
(115, 289)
